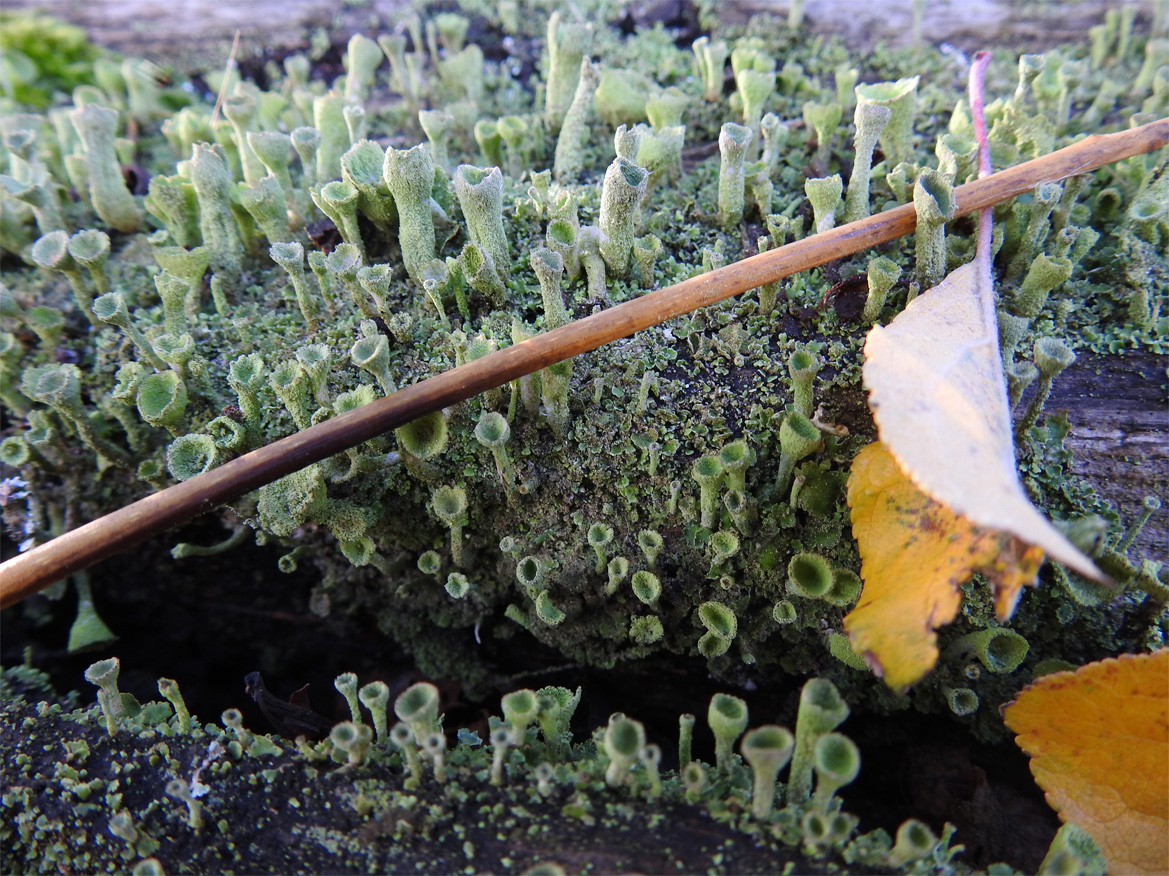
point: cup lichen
(607, 438)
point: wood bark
(1119, 413)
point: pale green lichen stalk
(733, 141)
(567, 44)
(824, 195)
(933, 200)
(107, 191)
(410, 176)
(900, 98)
(621, 195)
(212, 182)
(711, 56)
(870, 120)
(767, 749)
(480, 192)
(569, 153)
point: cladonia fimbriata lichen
(154, 337)
(174, 792)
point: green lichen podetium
(611, 437)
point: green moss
(42, 56)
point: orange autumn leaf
(915, 554)
(1098, 739)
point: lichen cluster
(182, 286)
(144, 788)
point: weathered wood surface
(151, 27)
(967, 24)
(1118, 407)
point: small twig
(82, 547)
(226, 79)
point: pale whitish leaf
(938, 395)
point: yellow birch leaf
(915, 554)
(1098, 739)
(939, 397)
